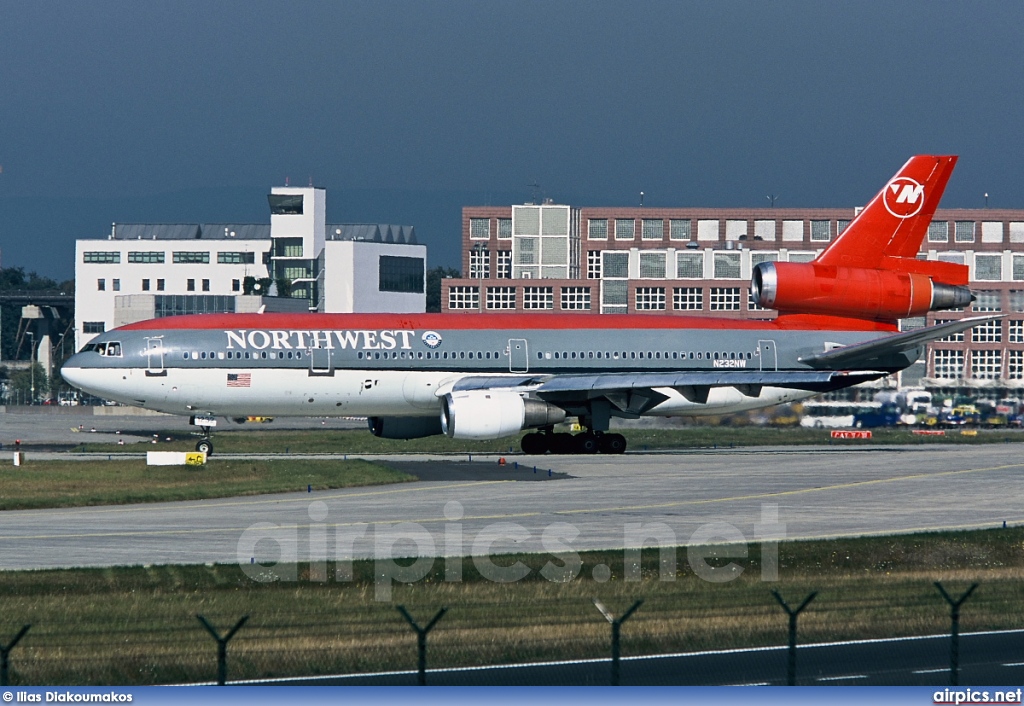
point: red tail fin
(895, 222)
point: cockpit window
(110, 349)
(88, 348)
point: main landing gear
(589, 442)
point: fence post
(222, 646)
(421, 639)
(616, 631)
(954, 633)
(5, 650)
(791, 662)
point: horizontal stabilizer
(868, 355)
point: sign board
(929, 432)
(844, 434)
(175, 458)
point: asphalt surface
(588, 502)
(985, 658)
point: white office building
(298, 262)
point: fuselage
(401, 365)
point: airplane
(488, 376)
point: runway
(589, 502)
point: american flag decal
(239, 379)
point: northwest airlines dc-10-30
(487, 376)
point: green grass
(362, 442)
(39, 484)
(138, 625)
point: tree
(434, 277)
(20, 383)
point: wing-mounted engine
(855, 292)
(492, 414)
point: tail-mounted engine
(492, 414)
(861, 293)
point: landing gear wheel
(587, 444)
(534, 444)
(205, 446)
(613, 444)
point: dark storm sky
(405, 111)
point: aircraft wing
(637, 392)
(872, 353)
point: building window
(614, 296)
(593, 264)
(756, 258)
(821, 231)
(501, 297)
(841, 225)
(206, 285)
(101, 257)
(987, 300)
(504, 229)
(146, 256)
(480, 228)
(187, 257)
(236, 285)
(679, 229)
(479, 264)
(116, 285)
(801, 256)
(1015, 365)
(538, 297)
(1018, 267)
(988, 268)
(727, 265)
(987, 332)
(464, 298)
(504, 264)
(964, 231)
(597, 229)
(688, 298)
(1016, 300)
(652, 265)
(1015, 331)
(576, 298)
(93, 327)
(957, 258)
(986, 365)
(160, 285)
(190, 285)
(615, 264)
(689, 265)
(101, 285)
(180, 304)
(235, 258)
(145, 285)
(957, 337)
(400, 274)
(949, 365)
(725, 299)
(938, 232)
(650, 298)
(625, 229)
(652, 229)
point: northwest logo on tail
(903, 197)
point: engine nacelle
(876, 294)
(492, 414)
(404, 427)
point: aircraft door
(767, 355)
(320, 362)
(518, 358)
(155, 356)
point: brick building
(693, 262)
